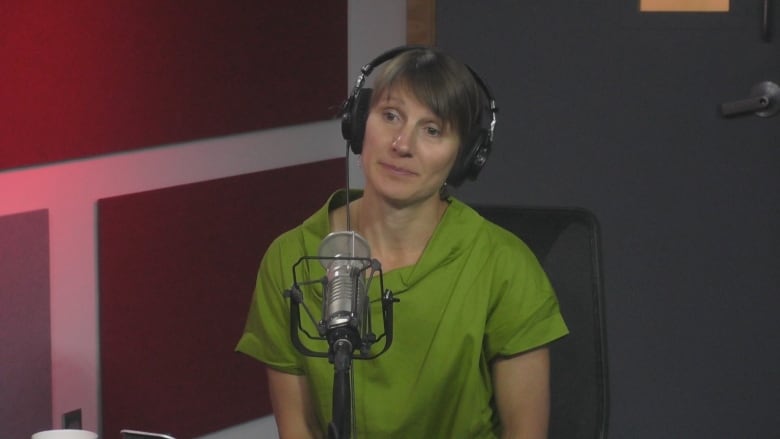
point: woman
(476, 311)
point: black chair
(566, 242)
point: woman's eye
(390, 116)
(433, 131)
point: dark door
(616, 111)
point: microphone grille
(344, 244)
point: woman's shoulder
(468, 217)
(311, 230)
(487, 233)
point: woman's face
(408, 151)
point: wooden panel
(421, 22)
(25, 329)
(177, 269)
(684, 5)
(87, 78)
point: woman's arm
(522, 390)
(291, 400)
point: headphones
(474, 150)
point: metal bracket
(766, 31)
(764, 101)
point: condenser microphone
(346, 315)
(345, 256)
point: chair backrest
(567, 243)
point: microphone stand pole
(341, 425)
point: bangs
(437, 81)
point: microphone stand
(342, 343)
(341, 425)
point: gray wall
(616, 112)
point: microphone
(346, 315)
(345, 256)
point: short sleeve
(524, 312)
(267, 334)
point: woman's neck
(397, 236)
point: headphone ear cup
(472, 159)
(353, 122)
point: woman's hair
(440, 82)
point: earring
(444, 192)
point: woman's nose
(402, 142)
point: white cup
(65, 434)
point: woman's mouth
(397, 170)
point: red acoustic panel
(82, 78)
(25, 331)
(177, 269)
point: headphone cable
(346, 161)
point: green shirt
(476, 293)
